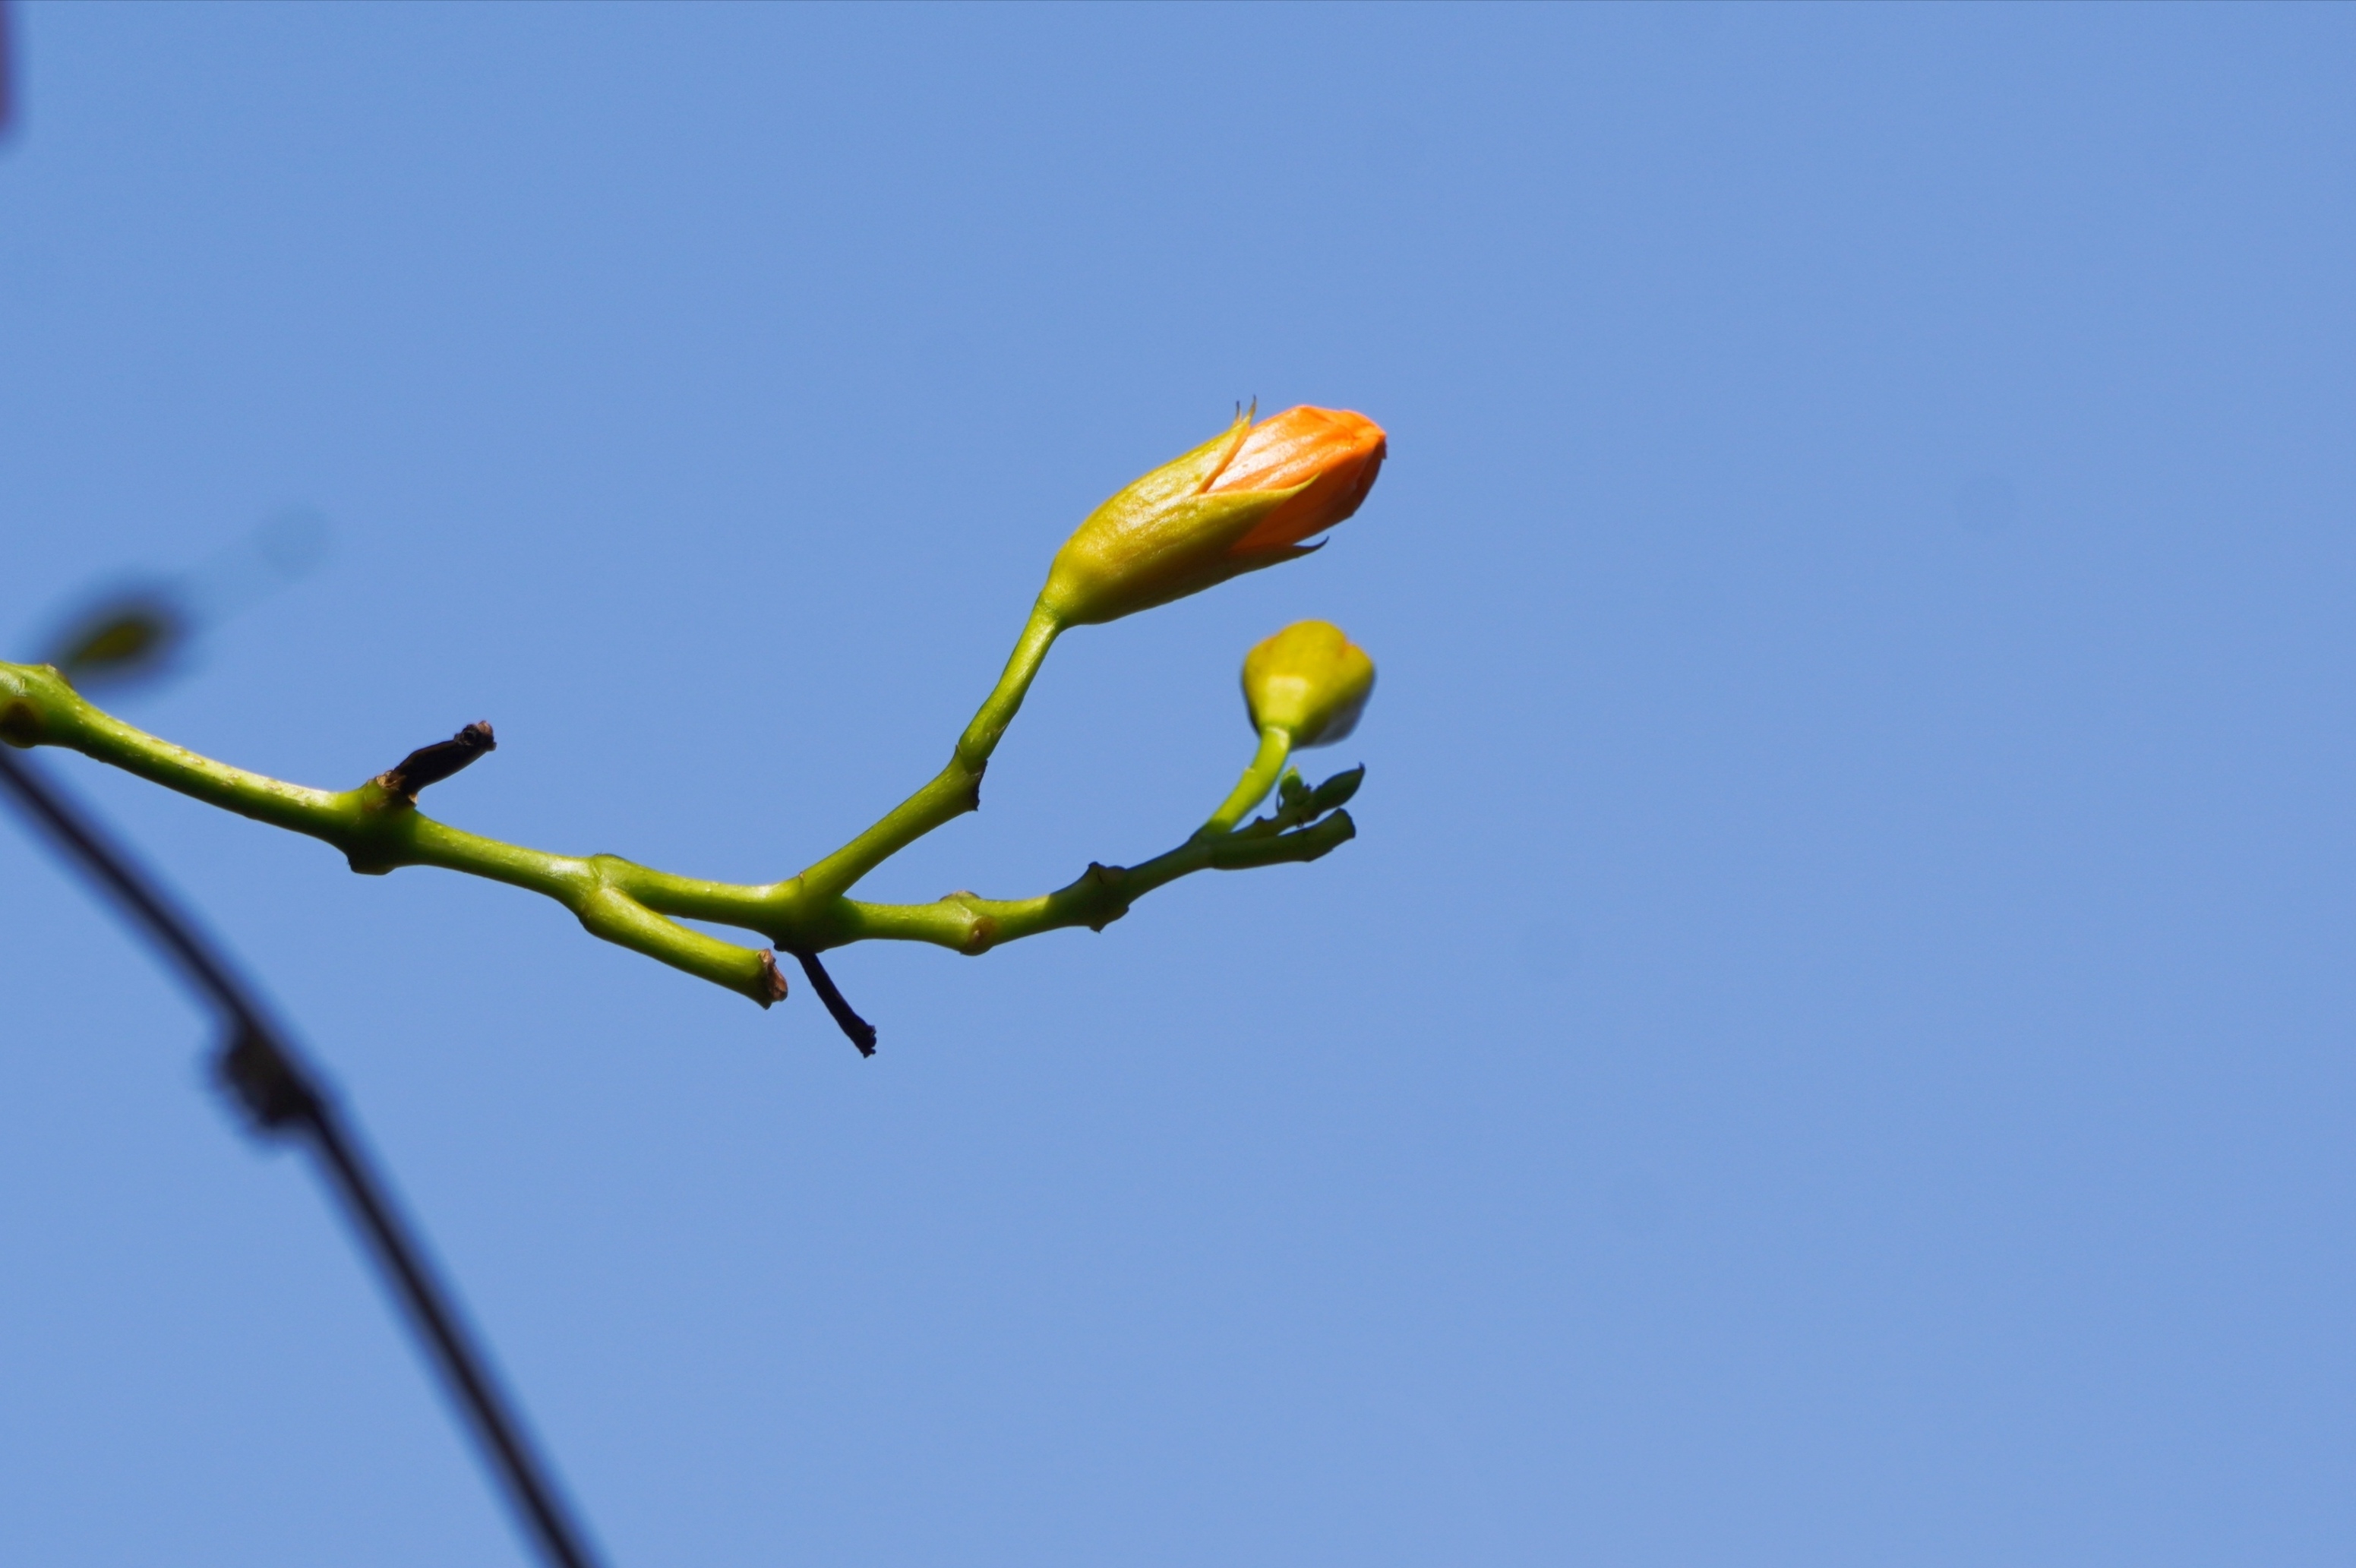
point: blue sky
(1831, 1045)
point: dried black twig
(862, 1032)
(431, 764)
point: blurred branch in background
(283, 1098)
(137, 631)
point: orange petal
(1334, 451)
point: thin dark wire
(284, 1095)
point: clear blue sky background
(1833, 1045)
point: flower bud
(1241, 501)
(1309, 681)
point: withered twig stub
(770, 972)
(431, 764)
(862, 1032)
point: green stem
(957, 788)
(1101, 895)
(378, 831)
(634, 905)
(1267, 767)
(998, 709)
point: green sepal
(1134, 554)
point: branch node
(1106, 880)
(431, 764)
(982, 927)
(266, 1081)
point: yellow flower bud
(1241, 501)
(1309, 681)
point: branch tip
(772, 980)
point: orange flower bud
(1238, 503)
(1332, 454)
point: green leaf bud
(1337, 790)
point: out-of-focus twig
(285, 1099)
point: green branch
(957, 788)
(1102, 895)
(378, 827)
(1275, 746)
